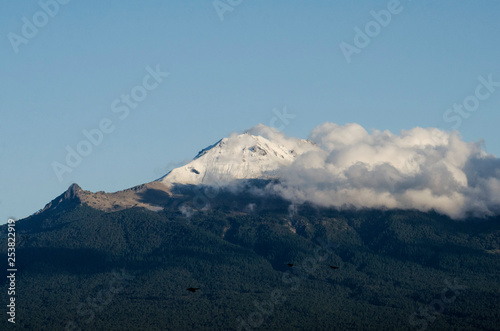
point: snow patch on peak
(243, 156)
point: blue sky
(228, 71)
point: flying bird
(334, 267)
(193, 289)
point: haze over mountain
(346, 166)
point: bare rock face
(71, 196)
(73, 192)
(151, 196)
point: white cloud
(423, 169)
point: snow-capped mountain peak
(243, 156)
